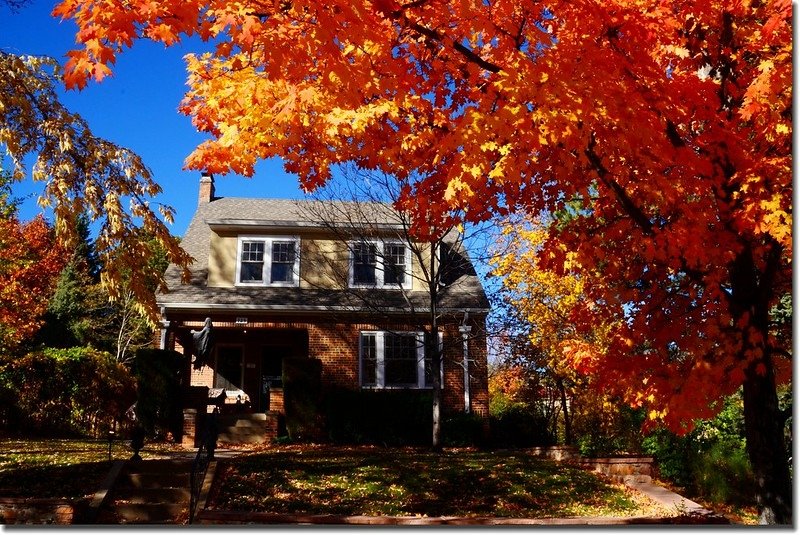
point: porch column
(163, 334)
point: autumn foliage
(30, 262)
(84, 175)
(663, 128)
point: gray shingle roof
(464, 292)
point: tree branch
(624, 199)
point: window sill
(266, 285)
(408, 387)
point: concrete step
(153, 480)
(153, 495)
(243, 424)
(252, 417)
(145, 513)
(159, 465)
(634, 479)
(241, 438)
(149, 492)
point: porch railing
(205, 454)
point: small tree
(30, 261)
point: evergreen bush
(385, 417)
(158, 375)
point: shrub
(516, 425)
(302, 378)
(604, 428)
(75, 391)
(462, 429)
(386, 417)
(158, 395)
(711, 461)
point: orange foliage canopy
(662, 128)
(30, 262)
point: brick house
(281, 279)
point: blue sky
(137, 109)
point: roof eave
(299, 309)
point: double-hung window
(394, 359)
(365, 264)
(268, 261)
(380, 264)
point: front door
(271, 372)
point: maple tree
(668, 122)
(30, 261)
(84, 175)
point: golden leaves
(83, 174)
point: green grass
(413, 482)
(60, 468)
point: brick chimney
(206, 188)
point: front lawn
(414, 482)
(61, 468)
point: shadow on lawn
(354, 481)
(72, 481)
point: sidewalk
(210, 517)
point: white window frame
(380, 245)
(266, 272)
(380, 348)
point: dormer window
(268, 261)
(284, 254)
(380, 264)
(365, 264)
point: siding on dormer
(324, 262)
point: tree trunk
(435, 350)
(565, 410)
(436, 438)
(763, 421)
(765, 446)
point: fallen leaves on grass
(408, 482)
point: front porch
(241, 379)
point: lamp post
(110, 440)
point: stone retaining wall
(556, 453)
(625, 468)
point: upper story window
(268, 261)
(380, 264)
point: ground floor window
(394, 359)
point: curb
(248, 517)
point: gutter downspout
(465, 330)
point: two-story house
(279, 278)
